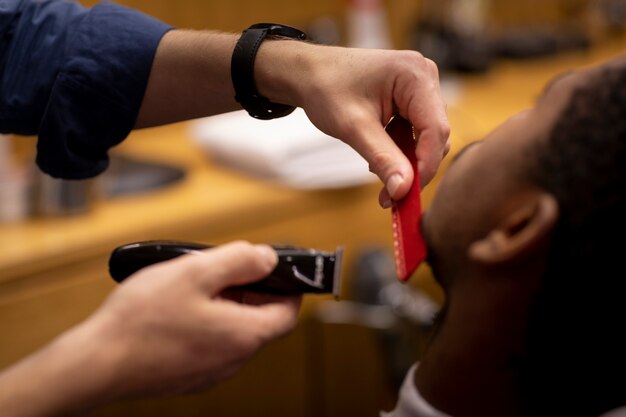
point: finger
(384, 199)
(232, 294)
(257, 324)
(274, 319)
(385, 159)
(429, 152)
(429, 118)
(253, 298)
(446, 150)
(242, 295)
(433, 141)
(232, 264)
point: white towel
(288, 150)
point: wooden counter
(53, 270)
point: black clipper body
(299, 270)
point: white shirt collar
(410, 401)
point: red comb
(409, 244)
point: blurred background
(183, 182)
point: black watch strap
(242, 69)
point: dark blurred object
(535, 41)
(401, 316)
(541, 37)
(125, 176)
(324, 31)
(475, 54)
(131, 176)
(613, 15)
(468, 35)
(450, 50)
(453, 33)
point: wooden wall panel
(233, 15)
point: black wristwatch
(242, 69)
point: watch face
(276, 29)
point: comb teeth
(398, 247)
(409, 244)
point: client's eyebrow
(551, 84)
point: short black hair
(577, 330)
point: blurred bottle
(468, 18)
(609, 17)
(14, 185)
(60, 197)
(5, 155)
(367, 25)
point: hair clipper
(299, 270)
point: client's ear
(521, 232)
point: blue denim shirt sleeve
(75, 77)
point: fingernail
(386, 204)
(394, 184)
(268, 253)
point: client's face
(485, 182)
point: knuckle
(191, 266)
(241, 246)
(413, 55)
(247, 253)
(445, 132)
(230, 371)
(291, 324)
(417, 60)
(379, 162)
(242, 250)
(246, 345)
(432, 66)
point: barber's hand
(353, 94)
(167, 329)
(172, 330)
(348, 93)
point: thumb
(235, 263)
(385, 159)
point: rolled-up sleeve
(75, 77)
